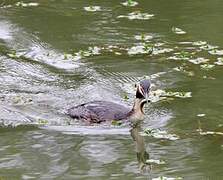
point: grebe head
(143, 89)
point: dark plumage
(100, 111)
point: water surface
(41, 76)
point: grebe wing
(98, 111)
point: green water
(44, 78)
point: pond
(57, 54)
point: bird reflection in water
(142, 154)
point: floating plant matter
(219, 62)
(155, 161)
(92, 8)
(137, 15)
(130, 3)
(140, 49)
(199, 60)
(207, 66)
(216, 52)
(22, 4)
(183, 55)
(199, 43)
(177, 30)
(160, 94)
(159, 134)
(143, 37)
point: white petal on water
(183, 55)
(137, 15)
(216, 52)
(178, 94)
(178, 58)
(178, 69)
(155, 161)
(210, 133)
(219, 62)
(207, 66)
(208, 47)
(156, 75)
(95, 50)
(177, 30)
(6, 6)
(201, 115)
(159, 134)
(140, 49)
(92, 8)
(118, 53)
(161, 51)
(130, 3)
(186, 42)
(22, 4)
(199, 43)
(198, 60)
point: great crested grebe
(101, 111)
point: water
(40, 79)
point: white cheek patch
(141, 90)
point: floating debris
(208, 47)
(86, 53)
(156, 75)
(210, 133)
(178, 94)
(198, 60)
(22, 4)
(118, 53)
(92, 8)
(137, 15)
(6, 6)
(199, 43)
(95, 50)
(167, 178)
(130, 3)
(67, 56)
(219, 62)
(161, 51)
(159, 44)
(207, 66)
(201, 115)
(13, 55)
(183, 55)
(209, 77)
(116, 123)
(159, 134)
(140, 49)
(162, 94)
(177, 30)
(216, 52)
(126, 97)
(143, 37)
(154, 161)
(185, 42)
(181, 69)
(42, 122)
